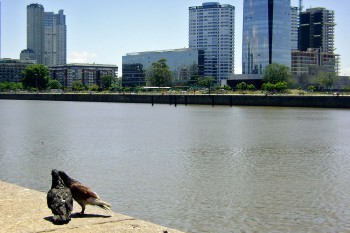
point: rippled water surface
(193, 168)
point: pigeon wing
(82, 192)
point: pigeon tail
(100, 203)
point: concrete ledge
(25, 210)
(230, 100)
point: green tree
(227, 87)
(311, 88)
(36, 76)
(206, 82)
(241, 86)
(275, 73)
(159, 74)
(54, 84)
(251, 87)
(78, 86)
(93, 87)
(326, 79)
(10, 86)
(107, 82)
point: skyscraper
(35, 31)
(266, 34)
(46, 35)
(294, 17)
(55, 39)
(317, 30)
(0, 29)
(212, 28)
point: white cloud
(81, 57)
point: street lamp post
(36, 82)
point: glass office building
(183, 63)
(266, 34)
(212, 28)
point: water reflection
(194, 168)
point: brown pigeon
(83, 194)
(59, 199)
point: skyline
(126, 27)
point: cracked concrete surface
(25, 210)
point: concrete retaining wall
(230, 100)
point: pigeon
(83, 194)
(59, 199)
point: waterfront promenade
(25, 210)
(318, 101)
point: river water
(193, 168)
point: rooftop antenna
(300, 6)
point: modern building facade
(312, 60)
(55, 48)
(88, 74)
(294, 20)
(212, 29)
(35, 31)
(183, 63)
(46, 35)
(317, 30)
(11, 69)
(266, 34)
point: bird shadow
(75, 215)
(79, 215)
(50, 219)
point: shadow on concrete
(78, 215)
(50, 219)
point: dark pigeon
(59, 199)
(83, 194)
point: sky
(103, 31)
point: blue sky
(103, 31)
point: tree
(78, 86)
(54, 84)
(241, 86)
(251, 87)
(10, 86)
(227, 87)
(93, 87)
(107, 82)
(36, 76)
(205, 82)
(159, 74)
(275, 73)
(311, 88)
(326, 79)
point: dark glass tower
(317, 30)
(266, 34)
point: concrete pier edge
(25, 210)
(327, 101)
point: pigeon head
(66, 179)
(56, 179)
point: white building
(55, 49)
(212, 28)
(35, 31)
(46, 35)
(294, 19)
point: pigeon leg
(82, 210)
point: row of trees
(277, 78)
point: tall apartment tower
(266, 34)
(294, 18)
(55, 39)
(35, 31)
(317, 30)
(212, 29)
